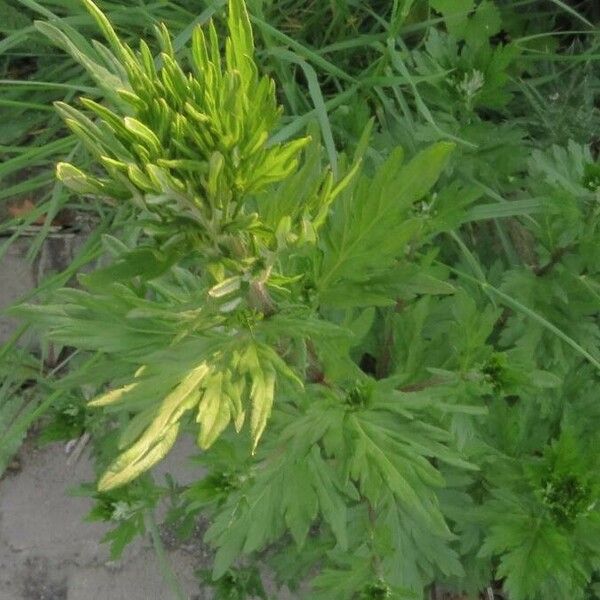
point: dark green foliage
(236, 584)
(126, 508)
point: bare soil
(48, 551)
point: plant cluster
(388, 354)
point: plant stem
(163, 561)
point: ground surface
(47, 551)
